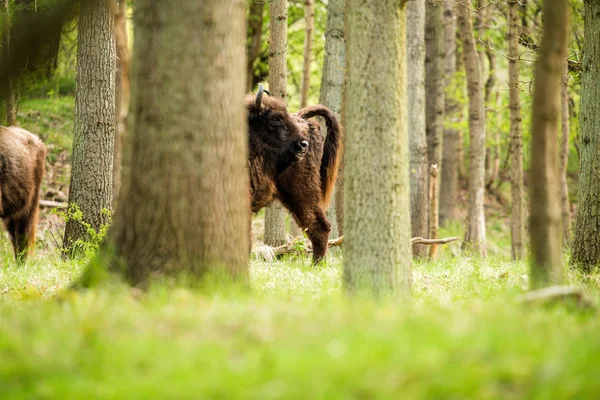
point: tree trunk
(11, 99)
(121, 94)
(255, 23)
(309, 20)
(450, 154)
(332, 81)
(434, 81)
(586, 241)
(176, 216)
(377, 252)
(475, 235)
(516, 138)
(93, 137)
(418, 171)
(564, 158)
(544, 197)
(275, 213)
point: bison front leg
(317, 228)
(22, 234)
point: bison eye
(274, 121)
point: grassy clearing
(294, 337)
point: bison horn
(259, 95)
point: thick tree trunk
(544, 196)
(309, 21)
(452, 137)
(93, 137)
(377, 252)
(11, 99)
(586, 240)
(419, 170)
(434, 81)
(121, 94)
(564, 157)
(332, 81)
(475, 234)
(516, 138)
(275, 213)
(185, 202)
(255, 23)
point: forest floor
(463, 334)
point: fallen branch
(420, 240)
(557, 294)
(52, 204)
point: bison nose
(303, 145)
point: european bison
(289, 161)
(22, 164)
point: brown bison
(290, 161)
(22, 164)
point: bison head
(272, 130)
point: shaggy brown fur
(290, 161)
(22, 165)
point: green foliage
(94, 238)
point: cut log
(53, 204)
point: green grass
(294, 336)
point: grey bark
(451, 135)
(309, 21)
(185, 206)
(434, 81)
(121, 94)
(275, 213)
(255, 23)
(377, 253)
(93, 138)
(544, 196)
(516, 137)
(475, 235)
(586, 240)
(419, 170)
(11, 98)
(332, 81)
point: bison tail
(332, 148)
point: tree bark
(255, 23)
(564, 157)
(516, 138)
(434, 81)
(544, 197)
(475, 235)
(309, 20)
(121, 94)
(586, 241)
(377, 252)
(419, 171)
(275, 213)
(11, 99)
(332, 82)
(93, 138)
(433, 209)
(451, 135)
(185, 206)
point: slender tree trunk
(490, 112)
(255, 23)
(544, 196)
(121, 94)
(434, 81)
(564, 158)
(450, 154)
(309, 20)
(11, 100)
(93, 138)
(377, 253)
(433, 209)
(332, 80)
(176, 216)
(475, 235)
(418, 171)
(516, 138)
(275, 213)
(586, 241)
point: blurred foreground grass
(294, 337)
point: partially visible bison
(22, 164)
(290, 161)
